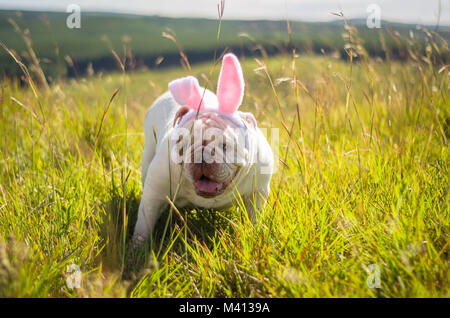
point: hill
(100, 33)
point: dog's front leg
(255, 203)
(150, 210)
(156, 190)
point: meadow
(358, 206)
(64, 51)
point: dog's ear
(249, 119)
(230, 87)
(180, 114)
(186, 92)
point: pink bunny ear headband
(230, 91)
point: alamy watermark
(374, 19)
(374, 278)
(213, 145)
(73, 21)
(74, 279)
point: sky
(406, 11)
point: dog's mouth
(208, 188)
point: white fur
(158, 183)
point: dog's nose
(197, 170)
(214, 171)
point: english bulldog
(201, 151)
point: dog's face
(213, 144)
(212, 149)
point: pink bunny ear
(186, 92)
(230, 88)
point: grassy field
(99, 34)
(361, 188)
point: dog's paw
(137, 241)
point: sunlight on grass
(362, 179)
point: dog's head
(212, 138)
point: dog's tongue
(207, 186)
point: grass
(55, 44)
(362, 180)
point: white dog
(201, 148)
